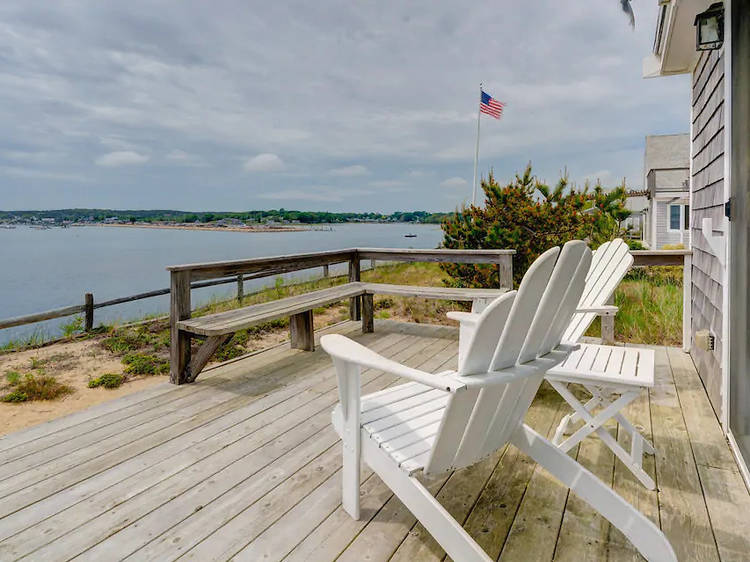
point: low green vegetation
(75, 326)
(107, 380)
(145, 364)
(34, 386)
(650, 307)
(152, 335)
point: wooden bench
(217, 329)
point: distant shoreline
(205, 228)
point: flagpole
(476, 151)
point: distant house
(715, 53)
(666, 167)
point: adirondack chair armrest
(542, 364)
(470, 318)
(343, 348)
(605, 310)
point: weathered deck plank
(223, 447)
(245, 464)
(682, 507)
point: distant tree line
(276, 215)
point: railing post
(325, 271)
(354, 275)
(179, 309)
(505, 272)
(372, 264)
(240, 288)
(88, 302)
(687, 325)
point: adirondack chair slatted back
(476, 422)
(610, 263)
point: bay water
(53, 268)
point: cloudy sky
(357, 106)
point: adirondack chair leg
(439, 523)
(349, 429)
(640, 530)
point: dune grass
(650, 307)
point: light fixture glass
(709, 28)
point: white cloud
(604, 176)
(455, 181)
(388, 184)
(185, 158)
(315, 193)
(350, 171)
(122, 158)
(266, 162)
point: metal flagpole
(476, 151)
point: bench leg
(355, 308)
(368, 314)
(301, 331)
(179, 357)
(204, 354)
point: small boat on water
(410, 235)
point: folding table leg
(594, 423)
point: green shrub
(15, 396)
(73, 327)
(12, 377)
(37, 387)
(529, 217)
(144, 364)
(107, 380)
(126, 340)
(37, 363)
(635, 245)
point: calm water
(44, 269)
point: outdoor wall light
(709, 28)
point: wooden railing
(238, 271)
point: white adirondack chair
(614, 376)
(446, 421)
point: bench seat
(232, 321)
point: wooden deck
(244, 464)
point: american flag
(490, 106)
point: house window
(675, 212)
(678, 217)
